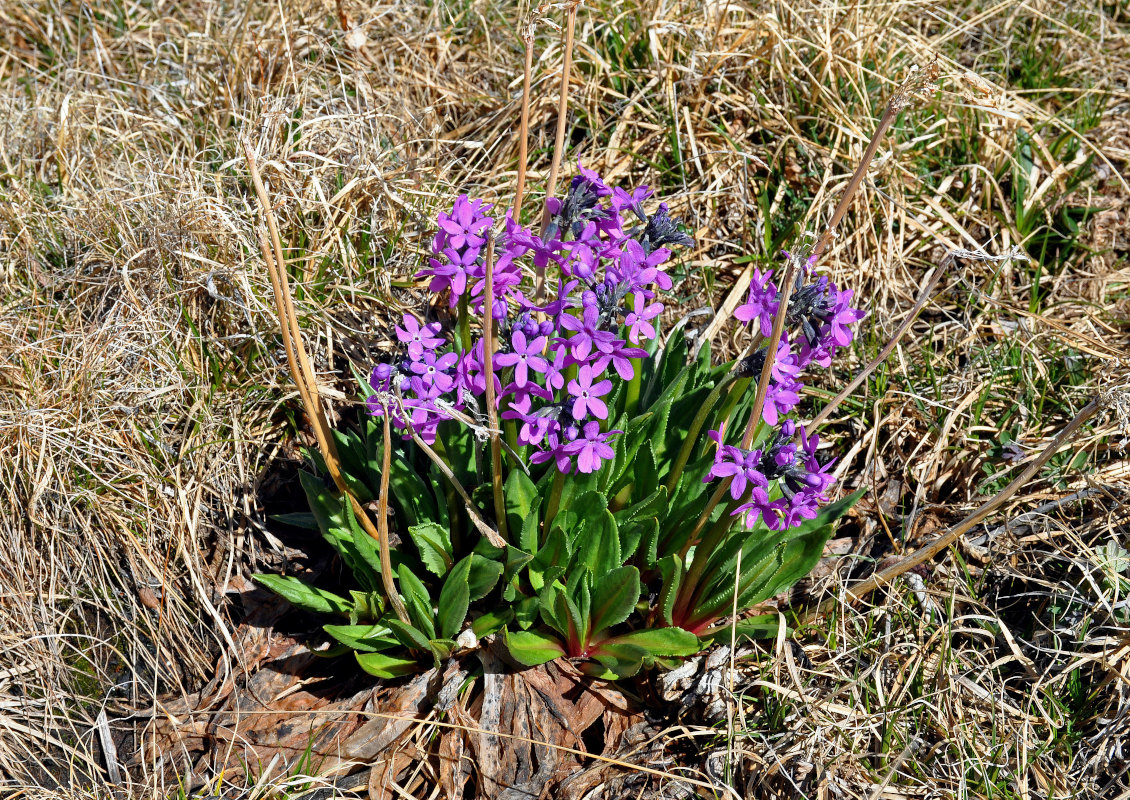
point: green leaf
(433, 542)
(491, 622)
(335, 528)
(598, 545)
(308, 598)
(483, 574)
(367, 638)
(654, 505)
(417, 601)
(531, 526)
(366, 547)
(519, 495)
(672, 569)
(368, 607)
(614, 597)
(409, 636)
(526, 612)
(303, 519)
(532, 648)
(553, 553)
(645, 477)
(455, 599)
(441, 649)
(386, 666)
(351, 453)
(661, 641)
(622, 659)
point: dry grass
(146, 395)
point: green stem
(632, 393)
(691, 438)
(464, 323)
(554, 502)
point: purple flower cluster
(551, 357)
(801, 479)
(819, 314)
(783, 483)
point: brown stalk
(307, 386)
(492, 410)
(559, 140)
(524, 125)
(925, 553)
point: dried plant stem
(925, 553)
(524, 125)
(559, 140)
(923, 297)
(492, 408)
(893, 108)
(307, 386)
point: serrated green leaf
(433, 542)
(491, 622)
(598, 545)
(532, 648)
(661, 641)
(383, 666)
(622, 659)
(484, 574)
(645, 477)
(351, 454)
(519, 494)
(369, 559)
(614, 597)
(308, 598)
(672, 570)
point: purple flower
(633, 202)
(523, 357)
(588, 395)
(591, 448)
(639, 319)
(586, 330)
(418, 338)
(761, 303)
(842, 316)
(771, 512)
(466, 222)
(619, 355)
(640, 269)
(433, 371)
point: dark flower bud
(661, 230)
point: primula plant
(568, 476)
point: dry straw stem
(524, 124)
(884, 577)
(308, 390)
